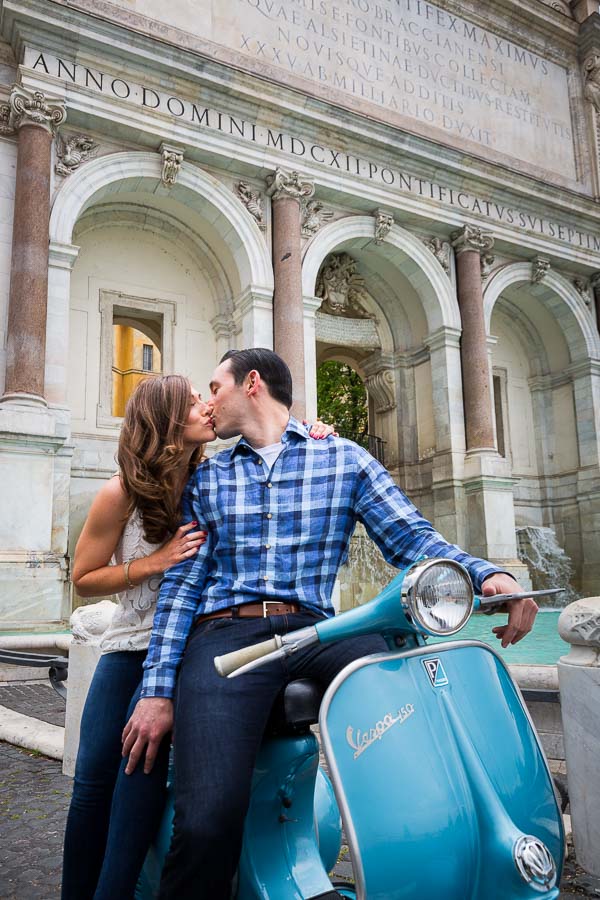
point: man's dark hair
(271, 368)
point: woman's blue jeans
(113, 817)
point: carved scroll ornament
(282, 184)
(34, 108)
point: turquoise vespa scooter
(443, 788)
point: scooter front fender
(438, 773)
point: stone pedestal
(286, 191)
(89, 624)
(579, 679)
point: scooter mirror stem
(499, 599)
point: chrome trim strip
(328, 749)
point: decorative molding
(382, 388)
(313, 216)
(72, 152)
(582, 288)
(5, 124)
(591, 77)
(441, 251)
(486, 262)
(470, 237)
(540, 266)
(383, 225)
(341, 288)
(34, 108)
(282, 184)
(253, 202)
(172, 158)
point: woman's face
(198, 428)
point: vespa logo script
(364, 739)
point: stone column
(595, 281)
(287, 191)
(468, 244)
(34, 118)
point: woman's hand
(321, 430)
(184, 544)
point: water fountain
(548, 564)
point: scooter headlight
(438, 596)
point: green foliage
(342, 399)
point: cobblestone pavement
(34, 799)
(37, 699)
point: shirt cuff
(158, 682)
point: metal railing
(371, 442)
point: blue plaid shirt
(282, 535)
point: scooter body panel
(438, 771)
(292, 834)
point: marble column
(287, 191)
(596, 288)
(34, 118)
(468, 244)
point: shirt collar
(293, 432)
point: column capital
(34, 108)
(470, 237)
(290, 185)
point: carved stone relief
(5, 123)
(172, 158)
(591, 77)
(381, 387)
(341, 288)
(540, 267)
(486, 262)
(441, 251)
(383, 225)
(314, 216)
(72, 152)
(582, 288)
(253, 202)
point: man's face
(227, 401)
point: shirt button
(269, 484)
(265, 577)
(269, 516)
(267, 546)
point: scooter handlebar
(228, 663)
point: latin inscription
(407, 62)
(397, 180)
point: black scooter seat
(296, 707)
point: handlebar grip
(228, 663)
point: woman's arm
(92, 574)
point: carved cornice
(172, 158)
(34, 108)
(470, 237)
(383, 225)
(282, 184)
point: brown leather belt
(251, 611)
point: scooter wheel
(345, 889)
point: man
(279, 511)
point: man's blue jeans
(219, 723)
(113, 817)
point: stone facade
(194, 182)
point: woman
(130, 537)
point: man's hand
(521, 613)
(152, 718)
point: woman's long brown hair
(151, 449)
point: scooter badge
(436, 672)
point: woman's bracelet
(128, 582)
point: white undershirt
(270, 453)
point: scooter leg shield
(440, 778)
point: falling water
(548, 564)
(365, 572)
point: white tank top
(131, 624)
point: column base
(22, 398)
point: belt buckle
(266, 603)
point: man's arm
(404, 536)
(178, 600)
